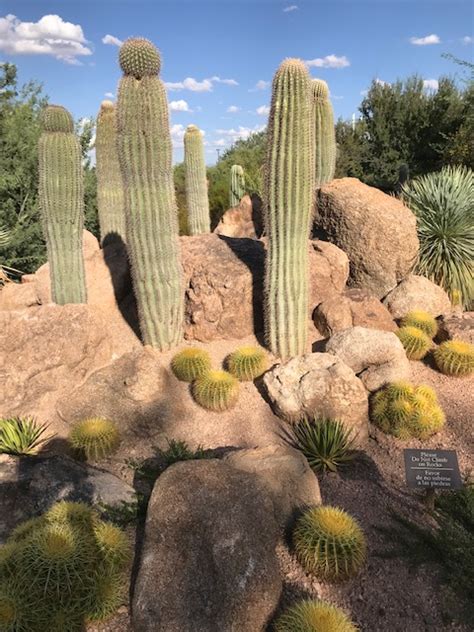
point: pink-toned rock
(375, 230)
(417, 293)
(353, 308)
(458, 327)
(243, 220)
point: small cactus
(190, 364)
(71, 512)
(216, 390)
(314, 616)
(97, 438)
(455, 357)
(415, 342)
(237, 185)
(247, 363)
(406, 411)
(329, 543)
(113, 543)
(421, 320)
(108, 596)
(197, 200)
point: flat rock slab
(30, 485)
(208, 561)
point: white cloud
(239, 133)
(336, 97)
(111, 39)
(261, 85)
(111, 95)
(177, 135)
(467, 39)
(330, 61)
(194, 85)
(232, 109)
(430, 84)
(381, 82)
(292, 7)
(180, 106)
(263, 110)
(364, 93)
(49, 36)
(425, 41)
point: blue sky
(219, 57)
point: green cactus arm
(196, 182)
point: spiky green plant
(406, 411)
(443, 203)
(324, 132)
(314, 616)
(75, 513)
(190, 364)
(289, 196)
(180, 451)
(197, 200)
(455, 357)
(247, 363)
(22, 435)
(421, 320)
(415, 342)
(216, 390)
(13, 614)
(96, 438)
(108, 595)
(61, 198)
(237, 185)
(326, 443)
(329, 543)
(110, 189)
(145, 154)
(112, 543)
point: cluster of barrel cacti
(62, 570)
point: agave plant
(327, 444)
(22, 435)
(443, 203)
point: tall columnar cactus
(61, 196)
(237, 185)
(110, 193)
(196, 182)
(324, 132)
(289, 194)
(145, 154)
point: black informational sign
(432, 469)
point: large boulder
(377, 357)
(208, 560)
(417, 292)
(285, 475)
(244, 220)
(30, 485)
(353, 308)
(319, 384)
(458, 327)
(51, 348)
(375, 230)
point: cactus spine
(61, 198)
(110, 194)
(196, 182)
(324, 131)
(289, 193)
(237, 185)
(145, 150)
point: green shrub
(314, 616)
(421, 320)
(327, 444)
(443, 203)
(415, 342)
(96, 438)
(65, 569)
(180, 451)
(455, 357)
(216, 390)
(247, 363)
(190, 363)
(22, 435)
(329, 543)
(406, 411)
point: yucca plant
(443, 203)
(314, 616)
(22, 435)
(326, 443)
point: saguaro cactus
(145, 153)
(61, 198)
(196, 182)
(110, 193)
(324, 133)
(237, 185)
(289, 193)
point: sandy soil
(388, 595)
